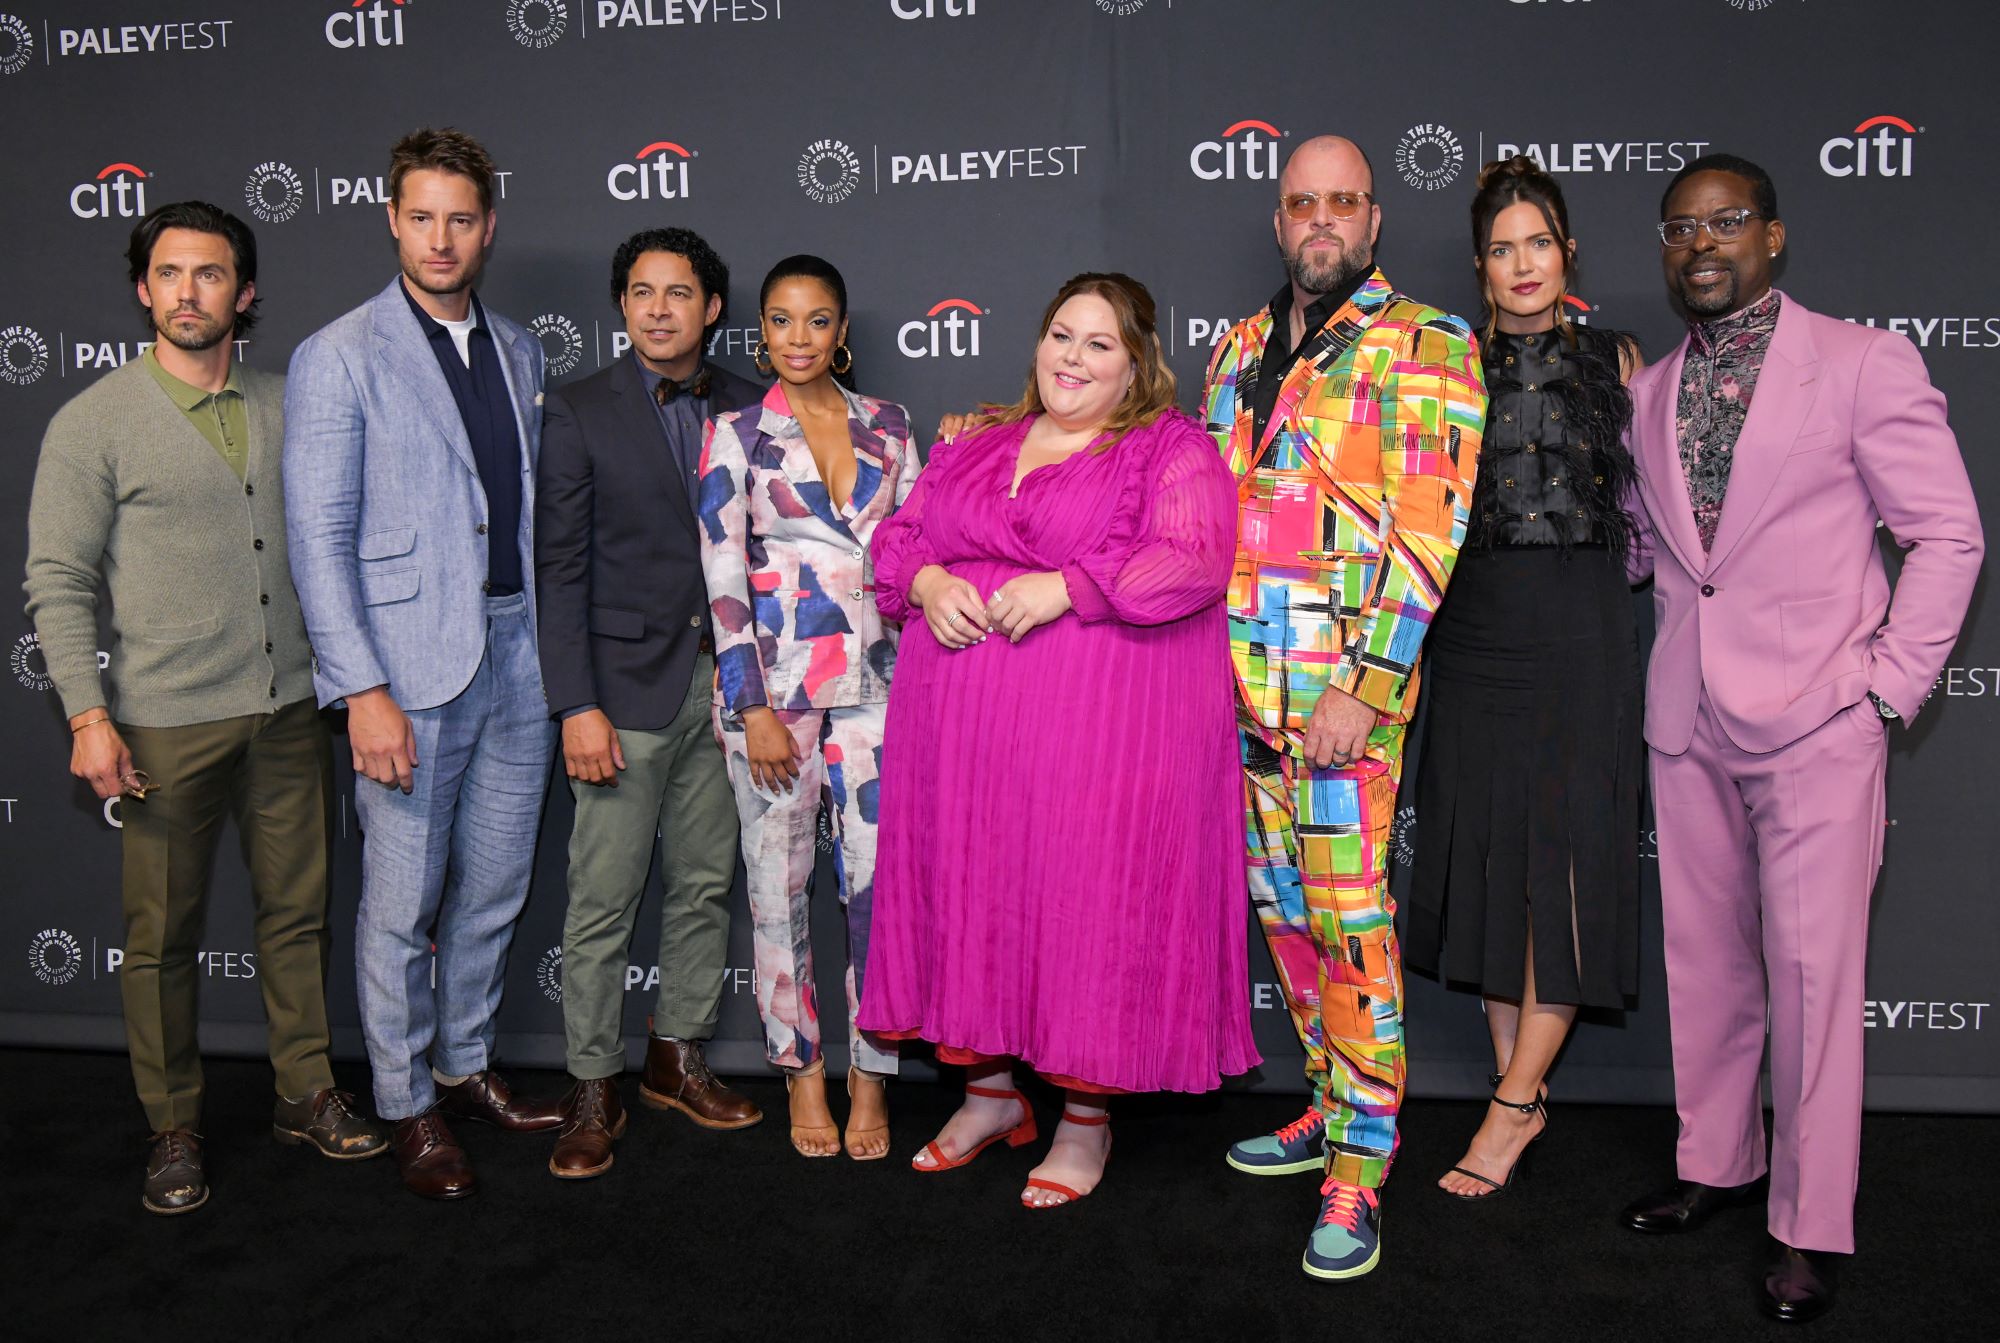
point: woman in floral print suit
(791, 493)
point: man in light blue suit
(411, 431)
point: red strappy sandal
(1069, 1195)
(1020, 1135)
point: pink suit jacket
(1788, 619)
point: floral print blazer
(791, 587)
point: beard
(460, 282)
(206, 334)
(1327, 276)
(1717, 301)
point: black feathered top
(1553, 466)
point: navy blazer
(617, 557)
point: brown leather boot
(677, 1078)
(432, 1162)
(593, 1117)
(175, 1181)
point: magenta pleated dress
(1061, 873)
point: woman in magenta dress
(1059, 879)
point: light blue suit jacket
(385, 515)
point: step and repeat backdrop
(958, 159)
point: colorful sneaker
(1297, 1147)
(1347, 1242)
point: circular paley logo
(274, 192)
(537, 24)
(829, 171)
(1750, 6)
(562, 342)
(30, 668)
(1429, 157)
(55, 956)
(1120, 8)
(548, 974)
(1403, 836)
(17, 45)
(24, 355)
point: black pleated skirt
(1527, 788)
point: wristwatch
(1883, 707)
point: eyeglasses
(1303, 205)
(137, 785)
(1723, 226)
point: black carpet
(698, 1235)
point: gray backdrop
(958, 159)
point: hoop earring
(835, 363)
(761, 361)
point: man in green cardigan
(160, 486)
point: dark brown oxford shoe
(1686, 1205)
(432, 1162)
(486, 1097)
(330, 1121)
(594, 1118)
(175, 1182)
(677, 1078)
(1798, 1284)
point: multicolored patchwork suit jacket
(791, 587)
(1352, 509)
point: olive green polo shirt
(221, 416)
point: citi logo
(117, 192)
(1229, 158)
(949, 330)
(657, 172)
(1886, 142)
(367, 23)
(933, 9)
(1580, 311)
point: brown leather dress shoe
(432, 1162)
(487, 1098)
(175, 1182)
(677, 1078)
(594, 1119)
(330, 1121)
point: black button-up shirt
(684, 421)
(487, 410)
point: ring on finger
(953, 618)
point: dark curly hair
(201, 217)
(686, 244)
(1762, 189)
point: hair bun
(1515, 169)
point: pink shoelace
(1344, 1208)
(1304, 1125)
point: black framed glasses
(1723, 226)
(1300, 206)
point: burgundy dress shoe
(175, 1182)
(593, 1119)
(677, 1078)
(1686, 1205)
(486, 1098)
(330, 1121)
(432, 1162)
(1798, 1284)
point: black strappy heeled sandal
(1520, 1167)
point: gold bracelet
(90, 722)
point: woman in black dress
(1526, 870)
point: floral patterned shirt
(1718, 377)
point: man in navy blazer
(411, 431)
(630, 667)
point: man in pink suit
(1770, 445)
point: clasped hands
(959, 618)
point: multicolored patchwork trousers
(1318, 843)
(840, 759)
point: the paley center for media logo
(829, 171)
(562, 342)
(1429, 156)
(537, 24)
(274, 191)
(24, 355)
(55, 957)
(17, 45)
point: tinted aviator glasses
(1723, 226)
(1300, 206)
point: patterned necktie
(667, 389)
